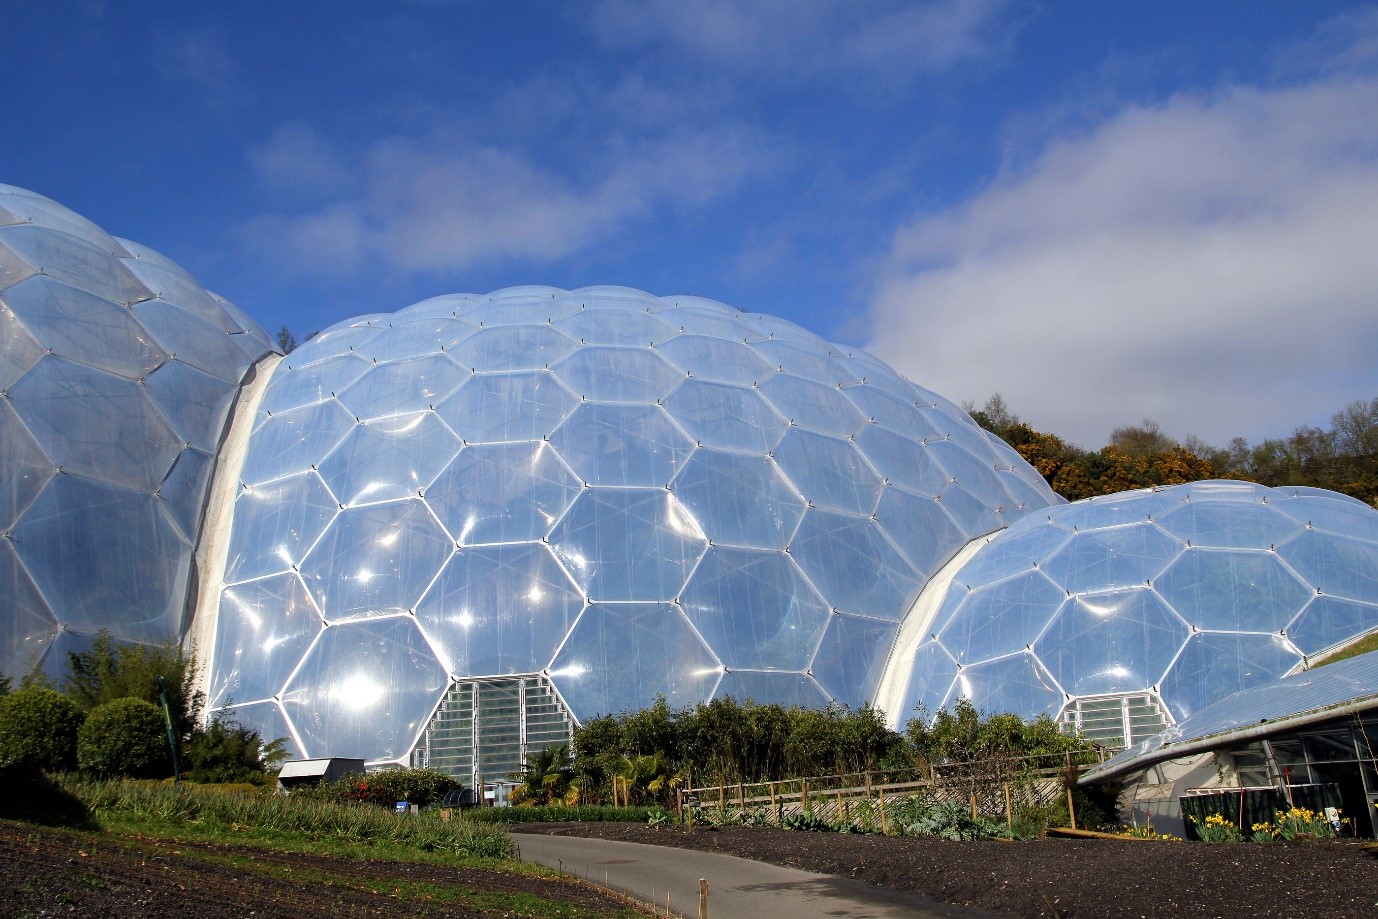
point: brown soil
(46, 872)
(1068, 878)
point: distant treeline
(1342, 458)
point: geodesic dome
(629, 496)
(117, 374)
(1151, 604)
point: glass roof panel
(739, 500)
(831, 473)
(810, 405)
(1232, 590)
(610, 374)
(502, 493)
(725, 417)
(366, 687)
(492, 408)
(83, 327)
(622, 654)
(622, 444)
(499, 610)
(275, 524)
(1108, 643)
(263, 629)
(393, 457)
(755, 610)
(851, 658)
(854, 565)
(403, 387)
(715, 360)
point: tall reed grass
(162, 803)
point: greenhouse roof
(1289, 703)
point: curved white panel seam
(213, 551)
(894, 681)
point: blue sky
(1104, 211)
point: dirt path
(45, 872)
(1067, 878)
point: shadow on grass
(34, 798)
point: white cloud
(1207, 261)
(447, 206)
(883, 39)
(299, 162)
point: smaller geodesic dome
(117, 374)
(1151, 604)
(618, 495)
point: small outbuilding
(310, 771)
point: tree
(546, 776)
(1142, 440)
(226, 751)
(286, 340)
(38, 730)
(108, 671)
(125, 737)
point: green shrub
(38, 730)
(226, 751)
(421, 787)
(124, 737)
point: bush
(227, 751)
(124, 737)
(559, 814)
(415, 786)
(38, 730)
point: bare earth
(1068, 878)
(44, 872)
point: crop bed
(1067, 878)
(45, 872)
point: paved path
(738, 888)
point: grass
(242, 823)
(1362, 646)
(552, 813)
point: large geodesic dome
(623, 495)
(117, 374)
(1126, 612)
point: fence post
(804, 796)
(973, 805)
(703, 898)
(884, 818)
(1009, 807)
(722, 797)
(741, 796)
(1071, 810)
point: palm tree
(545, 777)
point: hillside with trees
(1343, 457)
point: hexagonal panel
(774, 687)
(276, 524)
(1228, 526)
(755, 609)
(1328, 621)
(18, 349)
(263, 630)
(830, 473)
(498, 493)
(1232, 590)
(90, 422)
(423, 337)
(191, 340)
(520, 310)
(494, 408)
(1333, 513)
(73, 260)
(725, 417)
(499, 610)
(170, 283)
(813, 406)
(921, 528)
(295, 387)
(294, 442)
(1334, 565)
(700, 318)
(851, 658)
(854, 565)
(393, 457)
(403, 387)
(27, 626)
(83, 327)
(891, 412)
(609, 444)
(196, 404)
(610, 374)
(628, 543)
(513, 348)
(622, 654)
(739, 500)
(615, 327)
(266, 718)
(1012, 684)
(375, 560)
(976, 475)
(1213, 665)
(1105, 511)
(365, 687)
(805, 361)
(26, 468)
(903, 461)
(133, 562)
(1107, 643)
(715, 360)
(930, 680)
(1000, 618)
(1119, 557)
(183, 492)
(972, 514)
